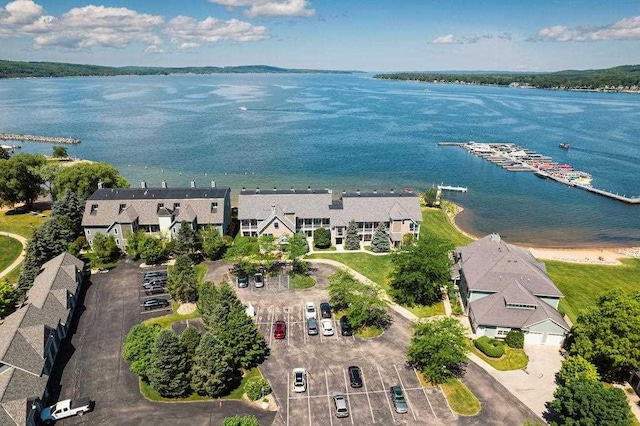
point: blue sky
(371, 35)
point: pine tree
(352, 241)
(71, 207)
(380, 240)
(181, 282)
(187, 240)
(244, 342)
(190, 339)
(226, 301)
(170, 366)
(207, 300)
(212, 372)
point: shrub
(515, 339)
(321, 238)
(257, 388)
(490, 347)
(240, 421)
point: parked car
(242, 280)
(310, 310)
(355, 376)
(150, 276)
(327, 327)
(150, 284)
(299, 380)
(325, 309)
(340, 402)
(155, 289)
(66, 408)
(259, 280)
(312, 327)
(280, 329)
(397, 396)
(345, 326)
(155, 303)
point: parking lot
(144, 295)
(327, 358)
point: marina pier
(34, 138)
(514, 158)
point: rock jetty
(34, 138)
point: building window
(122, 207)
(276, 225)
(502, 332)
(325, 222)
(88, 231)
(176, 206)
(160, 206)
(117, 241)
(94, 209)
(214, 207)
(115, 231)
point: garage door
(554, 339)
(533, 337)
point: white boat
(243, 108)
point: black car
(243, 281)
(156, 289)
(345, 327)
(155, 303)
(355, 376)
(325, 309)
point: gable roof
(277, 214)
(14, 385)
(490, 264)
(312, 203)
(378, 207)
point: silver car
(312, 327)
(340, 402)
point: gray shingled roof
(305, 204)
(15, 387)
(378, 207)
(145, 205)
(490, 264)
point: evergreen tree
(226, 301)
(244, 342)
(352, 241)
(212, 372)
(190, 339)
(60, 152)
(207, 300)
(187, 240)
(430, 197)
(70, 206)
(7, 298)
(181, 282)
(321, 238)
(380, 240)
(30, 270)
(170, 366)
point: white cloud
(471, 39)
(153, 49)
(625, 29)
(189, 32)
(270, 7)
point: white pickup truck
(66, 408)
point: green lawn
(376, 268)
(582, 284)
(369, 332)
(299, 281)
(21, 224)
(13, 276)
(436, 223)
(201, 272)
(460, 398)
(11, 249)
(427, 311)
(166, 320)
(513, 359)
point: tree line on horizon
(625, 76)
(20, 69)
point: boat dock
(452, 188)
(514, 158)
(34, 138)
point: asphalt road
(92, 365)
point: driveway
(382, 361)
(93, 364)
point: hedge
(257, 388)
(490, 347)
(515, 339)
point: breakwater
(35, 138)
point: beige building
(284, 212)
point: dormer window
(176, 206)
(214, 207)
(521, 306)
(160, 206)
(94, 209)
(122, 207)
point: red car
(280, 329)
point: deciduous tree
(83, 178)
(104, 248)
(60, 152)
(181, 281)
(20, 179)
(213, 244)
(352, 240)
(150, 249)
(138, 347)
(212, 372)
(585, 402)
(430, 197)
(608, 335)
(380, 239)
(243, 249)
(48, 173)
(420, 271)
(7, 298)
(170, 366)
(438, 348)
(4, 155)
(574, 367)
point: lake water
(353, 132)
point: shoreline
(592, 255)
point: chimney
(292, 189)
(213, 184)
(100, 185)
(258, 190)
(193, 183)
(143, 184)
(273, 208)
(358, 192)
(164, 184)
(275, 189)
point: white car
(299, 380)
(327, 327)
(310, 310)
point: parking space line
(309, 399)
(288, 381)
(367, 393)
(346, 390)
(288, 322)
(406, 395)
(326, 380)
(304, 334)
(271, 322)
(425, 394)
(386, 395)
(351, 393)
